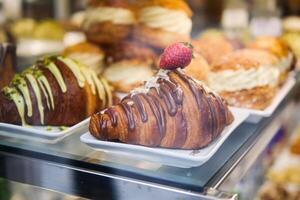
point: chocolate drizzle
(166, 94)
(113, 116)
(212, 117)
(204, 106)
(172, 96)
(129, 114)
(157, 111)
(141, 108)
(177, 93)
(103, 127)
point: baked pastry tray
(170, 157)
(256, 115)
(48, 134)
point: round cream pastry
(246, 78)
(175, 21)
(108, 25)
(159, 25)
(279, 49)
(243, 79)
(112, 14)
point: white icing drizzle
(38, 95)
(18, 100)
(151, 82)
(92, 61)
(108, 90)
(88, 76)
(100, 89)
(130, 103)
(22, 86)
(44, 84)
(74, 67)
(56, 73)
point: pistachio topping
(18, 91)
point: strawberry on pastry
(176, 55)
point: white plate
(256, 115)
(42, 133)
(171, 157)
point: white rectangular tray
(171, 157)
(42, 133)
(256, 115)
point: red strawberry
(176, 55)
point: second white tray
(50, 134)
(256, 115)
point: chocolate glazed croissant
(55, 91)
(172, 111)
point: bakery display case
(71, 167)
(124, 99)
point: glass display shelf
(10, 190)
(85, 170)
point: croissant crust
(172, 111)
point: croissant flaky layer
(172, 111)
(55, 91)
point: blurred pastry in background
(198, 68)
(285, 169)
(212, 48)
(128, 74)
(246, 78)
(129, 49)
(275, 191)
(283, 178)
(23, 28)
(88, 54)
(291, 36)
(77, 19)
(108, 21)
(211, 32)
(31, 29)
(163, 22)
(279, 49)
(49, 30)
(291, 24)
(295, 143)
(237, 43)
